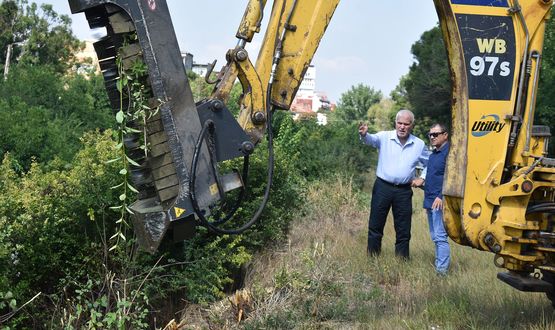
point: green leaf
(90, 213)
(132, 130)
(116, 207)
(122, 197)
(120, 116)
(113, 160)
(119, 185)
(132, 188)
(131, 161)
(123, 171)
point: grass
(323, 279)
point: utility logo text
(486, 125)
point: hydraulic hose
(203, 220)
(269, 117)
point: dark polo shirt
(434, 175)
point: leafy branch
(129, 118)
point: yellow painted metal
(485, 200)
(250, 24)
(253, 99)
(254, 93)
(294, 31)
(226, 80)
(454, 185)
(302, 24)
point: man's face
(403, 126)
(437, 137)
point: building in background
(191, 66)
(311, 103)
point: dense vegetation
(57, 139)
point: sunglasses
(434, 134)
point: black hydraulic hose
(266, 197)
(542, 207)
(241, 196)
(269, 115)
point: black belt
(402, 185)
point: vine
(130, 85)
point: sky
(367, 41)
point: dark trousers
(384, 197)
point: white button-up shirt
(396, 162)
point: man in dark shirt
(433, 196)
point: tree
(354, 104)
(428, 83)
(382, 115)
(36, 36)
(44, 114)
(399, 95)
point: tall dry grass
(323, 279)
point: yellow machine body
(497, 174)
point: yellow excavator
(499, 187)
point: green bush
(324, 151)
(53, 222)
(44, 114)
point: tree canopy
(36, 35)
(354, 103)
(428, 84)
(545, 104)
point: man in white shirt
(399, 152)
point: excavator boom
(178, 178)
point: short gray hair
(405, 112)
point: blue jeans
(439, 237)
